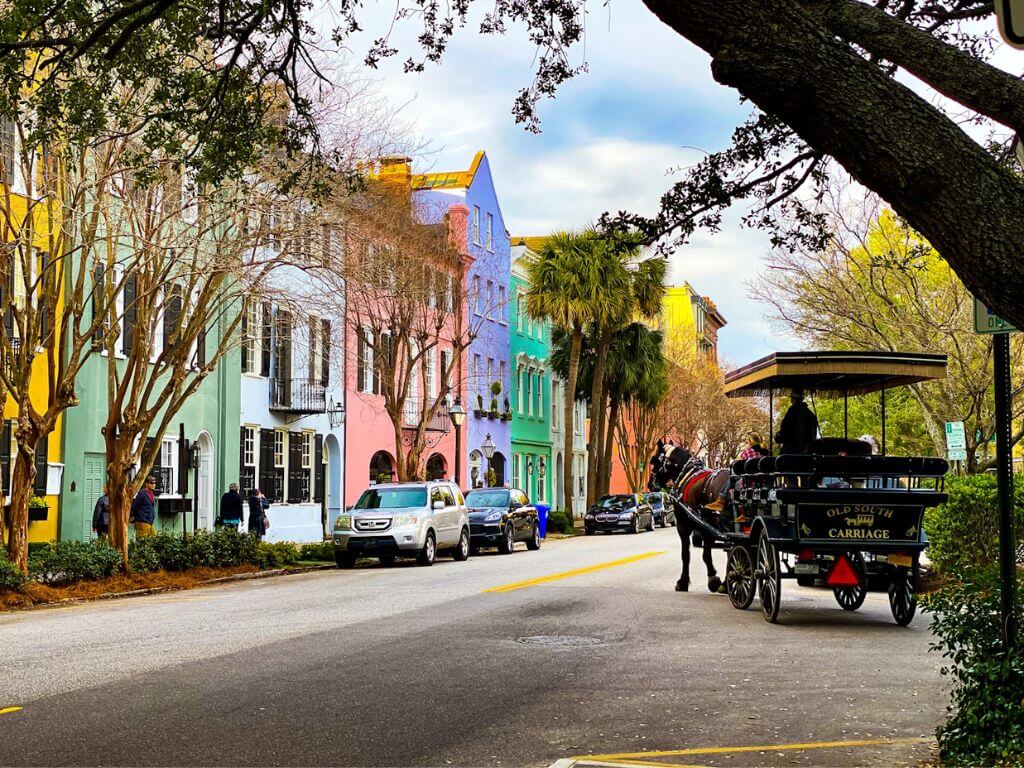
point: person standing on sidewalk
(143, 512)
(101, 516)
(258, 504)
(230, 508)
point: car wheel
(345, 560)
(461, 551)
(534, 541)
(662, 523)
(650, 525)
(508, 541)
(429, 551)
(387, 560)
(635, 525)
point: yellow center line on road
(576, 572)
(757, 748)
(9, 710)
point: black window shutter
(325, 352)
(156, 471)
(295, 467)
(268, 474)
(360, 360)
(381, 358)
(98, 304)
(5, 457)
(201, 348)
(318, 470)
(39, 485)
(265, 340)
(314, 328)
(130, 293)
(45, 281)
(245, 336)
(172, 317)
(246, 474)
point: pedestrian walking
(230, 515)
(258, 520)
(143, 512)
(101, 516)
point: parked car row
(628, 513)
(420, 520)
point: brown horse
(691, 484)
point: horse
(694, 485)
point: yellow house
(16, 205)
(690, 324)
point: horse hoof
(682, 586)
(714, 584)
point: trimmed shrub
(61, 562)
(985, 725)
(321, 550)
(11, 576)
(232, 548)
(560, 521)
(142, 556)
(964, 532)
(278, 554)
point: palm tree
(636, 373)
(631, 289)
(566, 288)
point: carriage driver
(799, 426)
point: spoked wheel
(739, 578)
(852, 598)
(903, 594)
(769, 579)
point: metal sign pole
(1004, 465)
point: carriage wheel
(903, 594)
(852, 598)
(769, 578)
(739, 577)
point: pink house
(371, 444)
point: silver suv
(403, 520)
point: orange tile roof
(448, 179)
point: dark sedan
(626, 512)
(661, 505)
(499, 517)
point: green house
(530, 390)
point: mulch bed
(41, 594)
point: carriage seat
(839, 446)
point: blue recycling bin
(542, 519)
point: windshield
(392, 498)
(487, 499)
(653, 498)
(615, 501)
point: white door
(204, 491)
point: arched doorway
(382, 468)
(498, 465)
(334, 495)
(559, 482)
(437, 467)
(204, 489)
(476, 475)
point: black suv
(499, 517)
(626, 512)
(661, 505)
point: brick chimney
(458, 227)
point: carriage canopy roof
(833, 373)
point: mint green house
(532, 468)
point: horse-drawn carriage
(837, 511)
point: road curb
(160, 590)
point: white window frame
(478, 296)
(476, 224)
(280, 449)
(474, 375)
(520, 310)
(503, 376)
(430, 360)
(502, 302)
(529, 392)
(516, 476)
(170, 443)
(368, 362)
(489, 310)
(249, 446)
(254, 335)
(315, 347)
(540, 394)
(489, 234)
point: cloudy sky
(647, 105)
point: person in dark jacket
(258, 505)
(143, 512)
(799, 426)
(230, 508)
(101, 516)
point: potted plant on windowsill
(480, 412)
(37, 508)
(506, 415)
(495, 391)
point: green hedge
(222, 548)
(62, 562)
(11, 576)
(279, 554)
(964, 532)
(986, 726)
(321, 550)
(560, 521)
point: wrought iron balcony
(298, 396)
(440, 421)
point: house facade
(487, 362)
(532, 405)
(579, 449)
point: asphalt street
(465, 664)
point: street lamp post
(458, 415)
(488, 449)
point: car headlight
(626, 515)
(343, 523)
(401, 520)
(493, 517)
(589, 515)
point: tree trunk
(890, 139)
(21, 490)
(119, 492)
(570, 400)
(606, 454)
(598, 415)
(121, 485)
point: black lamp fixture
(457, 413)
(488, 447)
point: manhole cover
(561, 641)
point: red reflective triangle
(842, 574)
